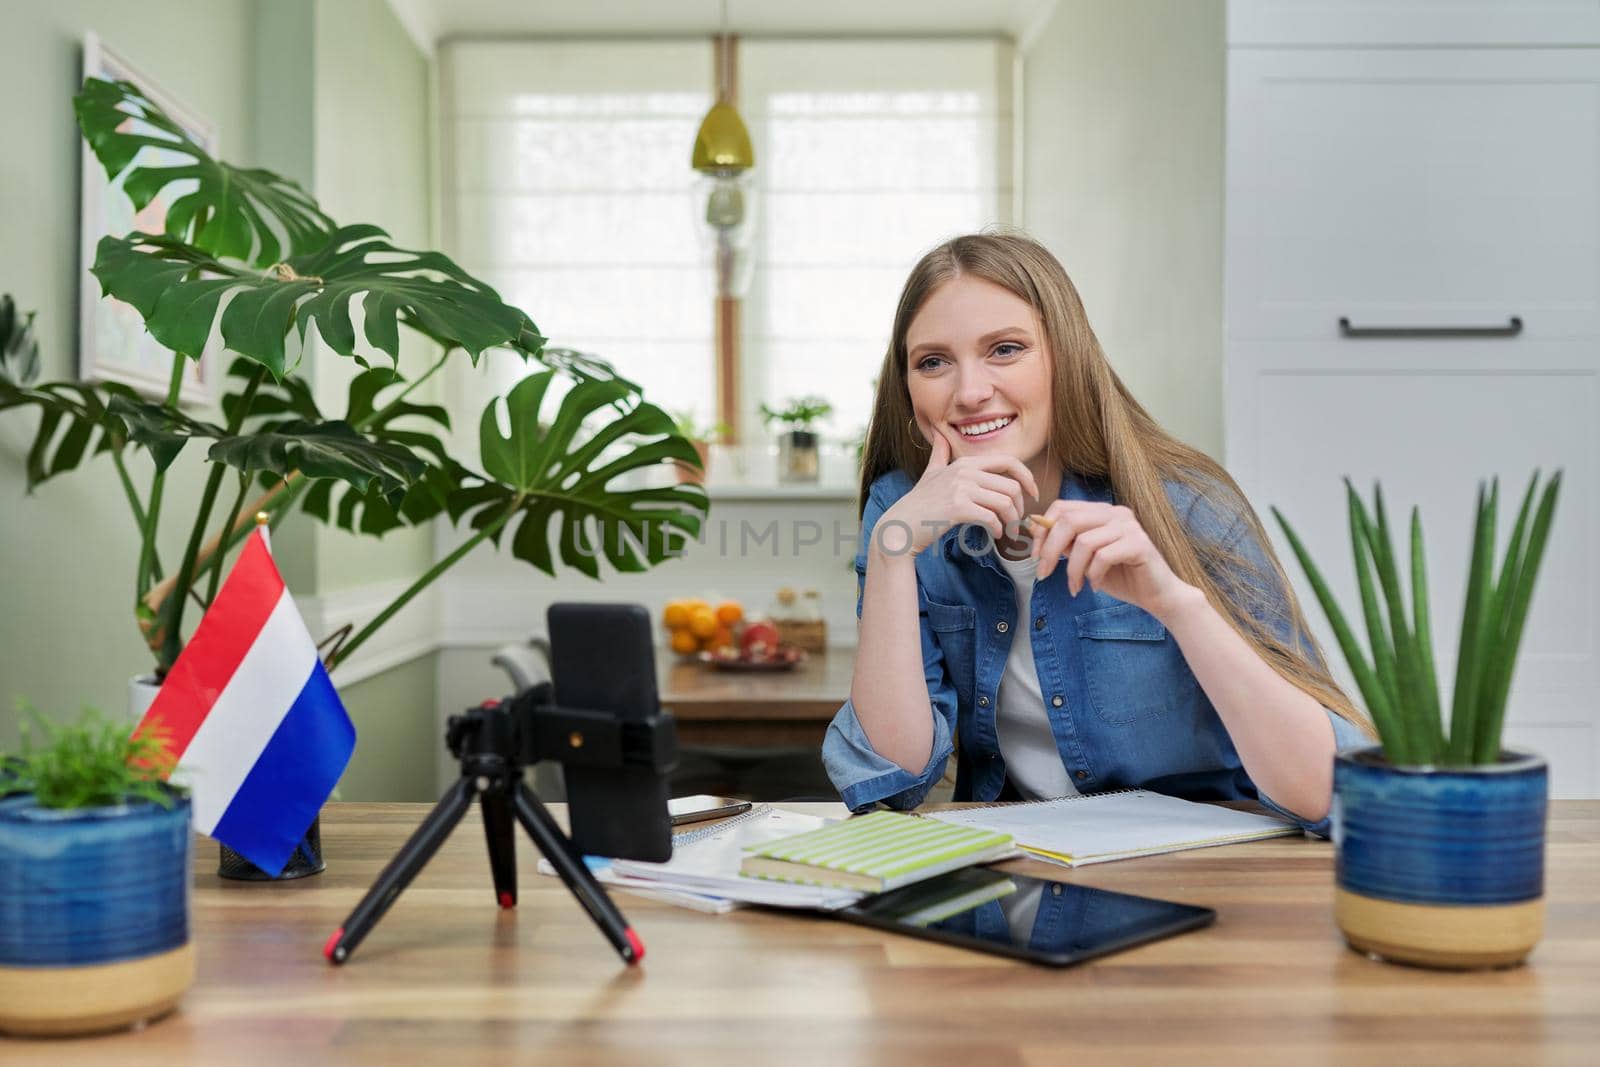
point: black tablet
(1054, 923)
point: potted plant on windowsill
(95, 857)
(798, 458)
(701, 436)
(1439, 831)
(251, 256)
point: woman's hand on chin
(987, 489)
(1105, 547)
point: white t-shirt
(1033, 763)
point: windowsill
(758, 493)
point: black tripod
(494, 743)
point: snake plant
(1399, 684)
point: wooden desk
(756, 710)
(447, 977)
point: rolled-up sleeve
(1264, 596)
(1345, 735)
(862, 776)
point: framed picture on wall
(112, 342)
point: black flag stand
(494, 743)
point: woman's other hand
(987, 489)
(1105, 547)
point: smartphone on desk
(602, 658)
(702, 807)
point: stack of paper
(704, 870)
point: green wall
(372, 165)
(331, 93)
(67, 556)
(397, 737)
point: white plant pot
(142, 690)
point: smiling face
(978, 369)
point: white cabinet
(1443, 193)
(1499, 23)
(1408, 188)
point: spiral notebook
(873, 853)
(1100, 827)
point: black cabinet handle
(1512, 327)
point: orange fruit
(676, 616)
(702, 622)
(722, 638)
(684, 643)
(729, 612)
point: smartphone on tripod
(602, 659)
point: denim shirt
(1124, 707)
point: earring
(916, 437)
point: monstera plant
(250, 256)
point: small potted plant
(702, 436)
(95, 857)
(798, 460)
(1439, 831)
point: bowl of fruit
(721, 638)
(757, 648)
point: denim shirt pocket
(1132, 671)
(954, 628)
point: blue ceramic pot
(1442, 867)
(94, 914)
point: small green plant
(1400, 686)
(798, 413)
(689, 426)
(92, 763)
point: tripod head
(520, 731)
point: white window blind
(566, 186)
(868, 153)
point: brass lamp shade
(723, 144)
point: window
(868, 153)
(567, 186)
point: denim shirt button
(1083, 774)
(1056, 701)
(983, 702)
(1038, 624)
(1002, 626)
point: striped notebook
(874, 852)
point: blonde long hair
(1101, 431)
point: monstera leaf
(330, 449)
(74, 423)
(163, 431)
(179, 292)
(227, 211)
(73, 420)
(323, 450)
(397, 422)
(19, 348)
(564, 472)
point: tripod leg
(411, 858)
(499, 828)
(568, 862)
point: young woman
(1052, 586)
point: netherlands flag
(250, 718)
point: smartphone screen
(703, 806)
